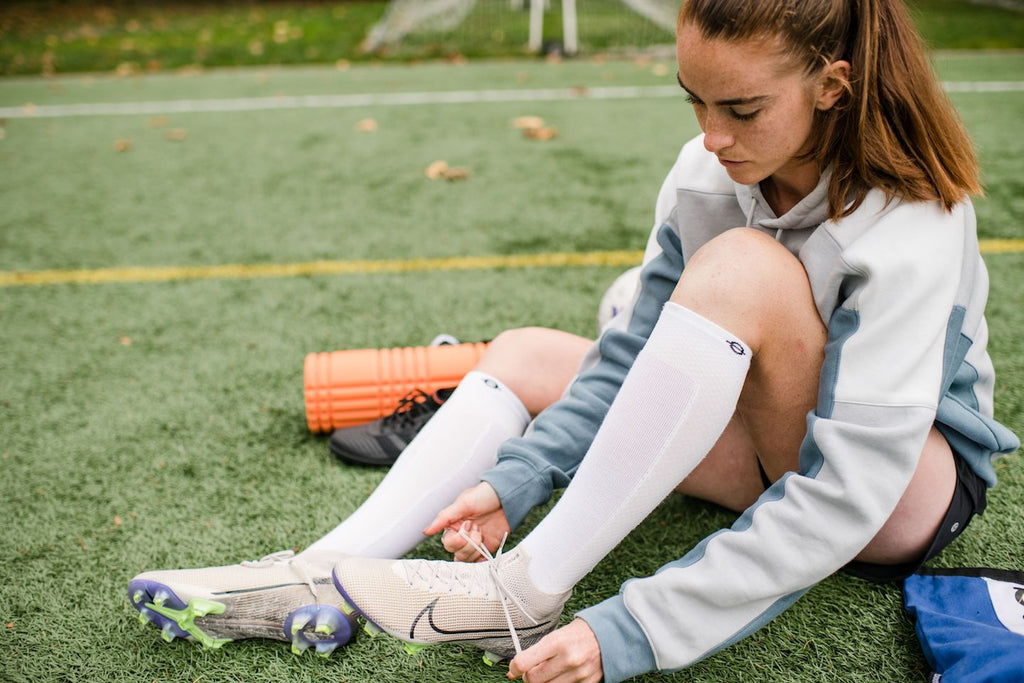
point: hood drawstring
(750, 218)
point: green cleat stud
(371, 630)
(200, 607)
(325, 649)
(415, 648)
(490, 659)
(298, 624)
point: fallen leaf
(10, 624)
(343, 65)
(527, 122)
(455, 173)
(125, 340)
(175, 134)
(156, 121)
(123, 145)
(545, 133)
(366, 125)
(436, 170)
(659, 69)
(117, 520)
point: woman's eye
(744, 116)
(690, 99)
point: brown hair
(894, 129)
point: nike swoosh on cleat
(241, 591)
(468, 634)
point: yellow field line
(1001, 246)
(264, 270)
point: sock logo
(491, 383)
(737, 348)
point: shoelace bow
(503, 592)
(286, 557)
(410, 406)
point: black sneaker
(381, 442)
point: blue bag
(970, 623)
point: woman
(808, 348)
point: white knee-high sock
(449, 454)
(674, 404)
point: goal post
(570, 29)
(481, 27)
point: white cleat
(492, 605)
(282, 597)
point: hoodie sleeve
(892, 333)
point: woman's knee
(746, 282)
(742, 262)
(536, 363)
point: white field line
(243, 104)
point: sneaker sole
(322, 627)
(355, 459)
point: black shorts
(968, 500)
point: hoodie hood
(810, 212)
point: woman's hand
(477, 511)
(570, 654)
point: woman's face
(755, 108)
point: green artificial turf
(160, 425)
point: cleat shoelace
(504, 594)
(410, 408)
(286, 557)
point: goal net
(480, 28)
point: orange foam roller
(345, 388)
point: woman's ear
(833, 84)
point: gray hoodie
(901, 287)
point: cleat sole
(490, 658)
(415, 648)
(321, 627)
(158, 605)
